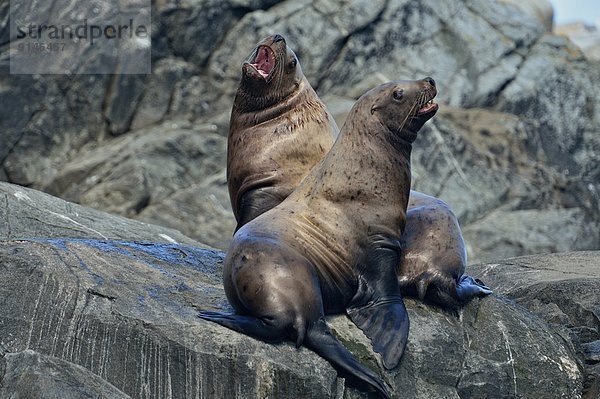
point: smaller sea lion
(434, 257)
(279, 129)
(333, 245)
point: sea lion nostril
(277, 38)
(430, 81)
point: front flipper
(321, 341)
(377, 307)
(469, 287)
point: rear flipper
(377, 307)
(248, 325)
(445, 291)
(469, 287)
(320, 340)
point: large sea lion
(333, 245)
(280, 129)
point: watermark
(83, 37)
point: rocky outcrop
(586, 37)
(126, 311)
(29, 374)
(151, 147)
(175, 180)
(26, 213)
(108, 316)
(564, 290)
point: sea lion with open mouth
(333, 245)
(279, 129)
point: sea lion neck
(254, 109)
(362, 169)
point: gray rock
(505, 233)
(555, 90)
(563, 289)
(31, 375)
(586, 37)
(127, 312)
(568, 282)
(591, 352)
(171, 174)
(26, 213)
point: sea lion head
(403, 106)
(271, 72)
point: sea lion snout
(430, 81)
(278, 38)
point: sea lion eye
(397, 94)
(292, 63)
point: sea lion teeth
(264, 62)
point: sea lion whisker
(409, 114)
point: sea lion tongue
(264, 62)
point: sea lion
(434, 257)
(279, 129)
(333, 245)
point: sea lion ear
(373, 109)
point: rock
(504, 233)
(29, 374)
(591, 352)
(553, 81)
(127, 312)
(586, 37)
(563, 289)
(27, 213)
(567, 280)
(175, 180)
(540, 9)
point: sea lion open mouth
(427, 108)
(264, 62)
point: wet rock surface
(126, 311)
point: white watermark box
(80, 37)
